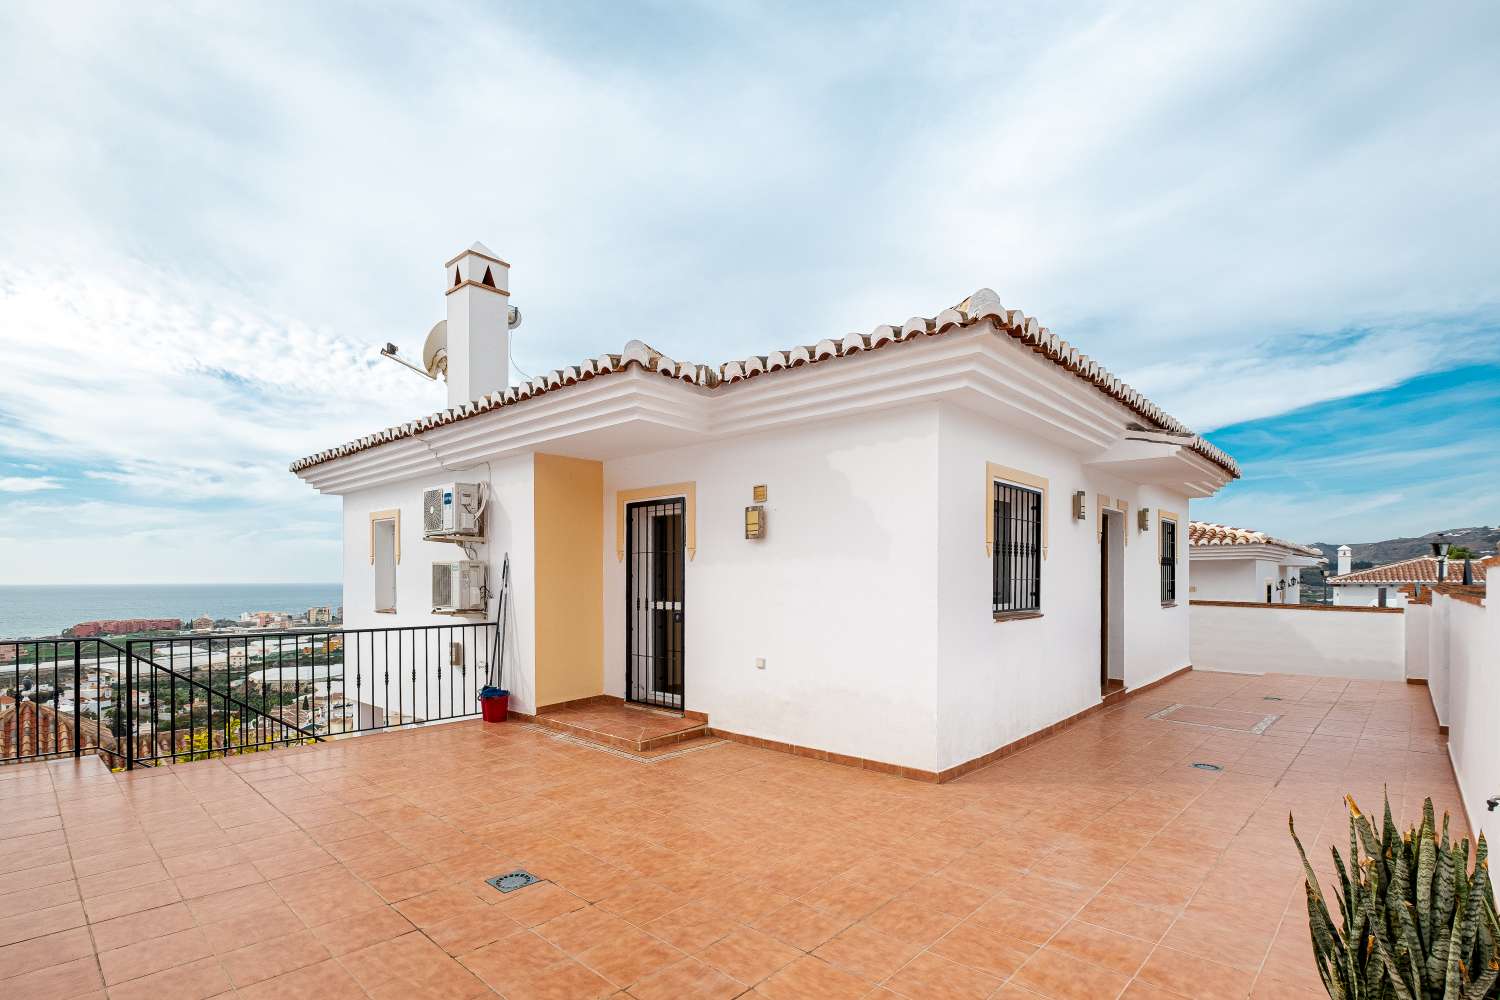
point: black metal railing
(186, 697)
(58, 699)
(1016, 563)
(194, 696)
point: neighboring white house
(966, 528)
(1237, 564)
(1380, 586)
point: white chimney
(1346, 559)
(478, 284)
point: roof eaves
(982, 307)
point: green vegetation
(1415, 922)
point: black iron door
(654, 545)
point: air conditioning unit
(458, 586)
(451, 509)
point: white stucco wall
(1216, 578)
(509, 528)
(870, 597)
(1438, 635)
(1418, 628)
(840, 597)
(1224, 580)
(1309, 640)
(1465, 685)
(1361, 595)
(1000, 681)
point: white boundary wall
(1463, 664)
(1312, 640)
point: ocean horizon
(47, 609)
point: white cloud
(28, 484)
(213, 220)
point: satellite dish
(435, 349)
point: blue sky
(1404, 460)
(1277, 221)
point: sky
(1278, 220)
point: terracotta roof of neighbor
(981, 308)
(1205, 533)
(1422, 569)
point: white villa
(1237, 564)
(908, 549)
(1380, 586)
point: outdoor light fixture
(1143, 519)
(1440, 549)
(1080, 509)
(755, 516)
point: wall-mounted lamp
(1143, 519)
(1440, 549)
(1080, 509)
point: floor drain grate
(1208, 767)
(1272, 697)
(511, 881)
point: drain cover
(1272, 697)
(1208, 767)
(511, 881)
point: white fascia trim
(1267, 553)
(968, 365)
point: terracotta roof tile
(981, 308)
(1206, 533)
(1422, 569)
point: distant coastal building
(1237, 564)
(320, 616)
(123, 626)
(1380, 586)
(203, 623)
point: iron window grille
(1168, 562)
(1017, 558)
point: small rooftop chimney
(1346, 559)
(478, 290)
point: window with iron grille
(1018, 549)
(1168, 561)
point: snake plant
(1414, 922)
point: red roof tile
(1422, 569)
(981, 308)
(1205, 533)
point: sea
(46, 610)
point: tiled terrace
(1096, 864)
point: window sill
(385, 611)
(1016, 616)
(1169, 604)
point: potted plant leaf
(1415, 922)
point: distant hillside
(1392, 550)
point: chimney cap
(479, 250)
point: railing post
(77, 699)
(129, 705)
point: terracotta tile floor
(1096, 864)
